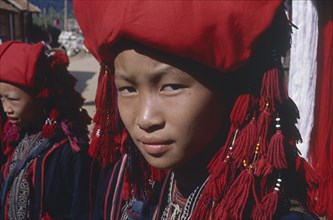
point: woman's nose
(150, 115)
(7, 108)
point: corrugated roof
(7, 7)
(24, 5)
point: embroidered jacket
(60, 182)
(110, 205)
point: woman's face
(170, 115)
(20, 107)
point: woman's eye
(13, 99)
(9, 98)
(172, 87)
(127, 90)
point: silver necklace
(173, 211)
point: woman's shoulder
(77, 142)
(68, 147)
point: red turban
(19, 63)
(220, 34)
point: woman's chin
(161, 163)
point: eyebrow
(155, 77)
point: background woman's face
(170, 115)
(20, 107)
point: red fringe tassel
(232, 206)
(267, 208)
(275, 154)
(241, 110)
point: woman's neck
(194, 173)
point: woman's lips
(155, 147)
(13, 120)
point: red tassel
(273, 85)
(218, 183)
(264, 121)
(126, 191)
(124, 142)
(107, 136)
(275, 154)
(232, 206)
(51, 124)
(244, 144)
(156, 174)
(93, 148)
(46, 217)
(311, 177)
(224, 153)
(44, 93)
(268, 206)
(218, 161)
(203, 209)
(262, 167)
(241, 109)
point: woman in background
(45, 143)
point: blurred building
(16, 19)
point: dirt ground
(85, 68)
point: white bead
(98, 132)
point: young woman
(46, 172)
(193, 119)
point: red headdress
(227, 36)
(45, 75)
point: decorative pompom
(275, 153)
(59, 59)
(51, 124)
